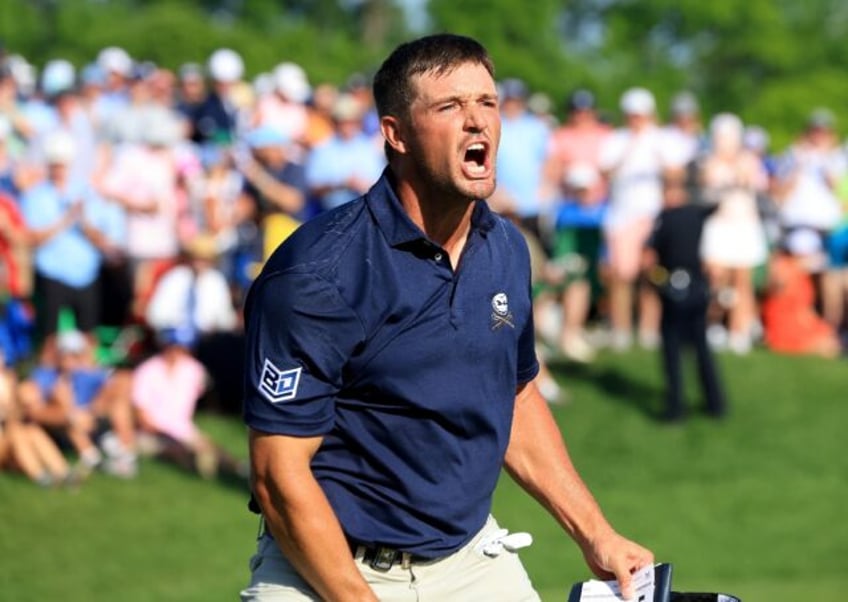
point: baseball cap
(821, 118)
(684, 103)
(225, 65)
(189, 71)
(581, 100)
(290, 80)
(265, 136)
(346, 108)
(71, 341)
(57, 77)
(755, 138)
(59, 148)
(638, 101)
(513, 88)
(114, 59)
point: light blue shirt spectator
(521, 157)
(337, 163)
(70, 257)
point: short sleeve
(300, 335)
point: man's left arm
(538, 460)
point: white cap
(638, 101)
(115, 60)
(347, 108)
(23, 73)
(58, 76)
(581, 175)
(71, 341)
(225, 65)
(59, 148)
(290, 80)
(727, 124)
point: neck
(443, 216)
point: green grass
(751, 506)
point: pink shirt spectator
(143, 176)
(168, 394)
(571, 144)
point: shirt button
(437, 256)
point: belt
(379, 558)
(383, 558)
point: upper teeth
(477, 146)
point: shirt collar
(396, 225)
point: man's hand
(613, 556)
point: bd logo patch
(278, 385)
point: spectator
(319, 127)
(71, 228)
(142, 179)
(579, 140)
(683, 135)
(348, 163)
(274, 181)
(116, 67)
(216, 120)
(25, 446)
(85, 405)
(789, 315)
(576, 254)
(190, 94)
(16, 318)
(521, 159)
(633, 159)
(809, 175)
(193, 295)
(165, 391)
(283, 109)
(672, 260)
(734, 240)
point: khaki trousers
(467, 575)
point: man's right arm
(299, 516)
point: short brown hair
(439, 53)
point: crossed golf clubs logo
(501, 315)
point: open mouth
(476, 159)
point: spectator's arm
(38, 236)
(281, 195)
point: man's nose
(475, 119)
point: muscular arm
(538, 461)
(300, 518)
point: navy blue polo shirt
(359, 330)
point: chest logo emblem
(278, 385)
(501, 316)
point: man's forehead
(463, 79)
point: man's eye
(447, 107)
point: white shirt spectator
(170, 304)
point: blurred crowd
(137, 204)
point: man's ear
(393, 133)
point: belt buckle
(383, 558)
